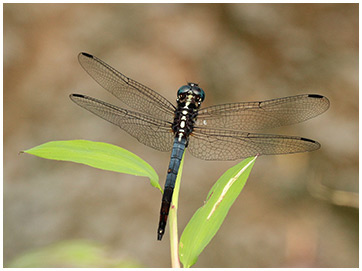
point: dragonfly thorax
(189, 99)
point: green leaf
(207, 220)
(97, 154)
(71, 253)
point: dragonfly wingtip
(76, 95)
(317, 96)
(86, 54)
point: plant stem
(175, 261)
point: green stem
(175, 261)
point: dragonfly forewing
(127, 90)
(251, 116)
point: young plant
(205, 222)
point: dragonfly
(219, 132)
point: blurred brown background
(295, 211)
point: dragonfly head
(191, 93)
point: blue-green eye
(194, 88)
(183, 89)
(201, 93)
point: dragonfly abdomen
(176, 156)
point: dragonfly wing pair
(220, 130)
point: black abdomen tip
(87, 55)
(315, 96)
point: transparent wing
(150, 131)
(132, 93)
(215, 144)
(261, 115)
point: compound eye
(200, 94)
(183, 90)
